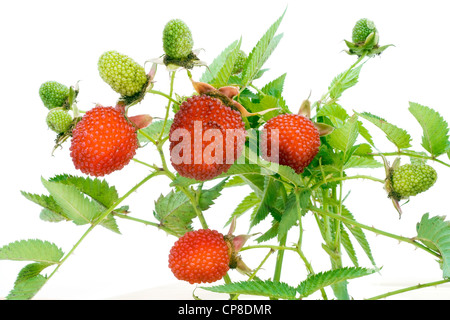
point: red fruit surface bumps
(298, 141)
(200, 256)
(206, 138)
(103, 141)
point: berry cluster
(207, 136)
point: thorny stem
(326, 213)
(413, 155)
(418, 286)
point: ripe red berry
(200, 256)
(103, 141)
(298, 141)
(206, 138)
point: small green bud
(362, 29)
(123, 74)
(53, 94)
(177, 39)
(59, 120)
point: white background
(62, 40)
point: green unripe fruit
(177, 39)
(240, 61)
(59, 120)
(53, 94)
(412, 179)
(123, 74)
(362, 29)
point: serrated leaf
(344, 81)
(31, 250)
(277, 290)
(175, 212)
(261, 52)
(154, 130)
(323, 279)
(335, 112)
(52, 211)
(96, 189)
(27, 289)
(30, 270)
(435, 233)
(396, 135)
(269, 196)
(344, 138)
(348, 246)
(275, 87)
(223, 74)
(207, 196)
(213, 69)
(250, 201)
(80, 209)
(362, 162)
(435, 129)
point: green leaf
(348, 246)
(269, 196)
(261, 52)
(97, 189)
(358, 234)
(435, 234)
(175, 212)
(223, 74)
(31, 250)
(362, 162)
(217, 64)
(275, 87)
(344, 138)
(344, 81)
(51, 209)
(435, 129)
(154, 130)
(335, 112)
(396, 135)
(76, 206)
(250, 201)
(207, 196)
(277, 290)
(323, 279)
(27, 289)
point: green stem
(318, 185)
(172, 78)
(418, 286)
(413, 155)
(374, 230)
(267, 246)
(145, 222)
(164, 95)
(326, 95)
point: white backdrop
(62, 40)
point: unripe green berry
(240, 62)
(59, 120)
(123, 74)
(53, 94)
(362, 29)
(412, 179)
(177, 39)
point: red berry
(298, 141)
(200, 257)
(206, 138)
(103, 141)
